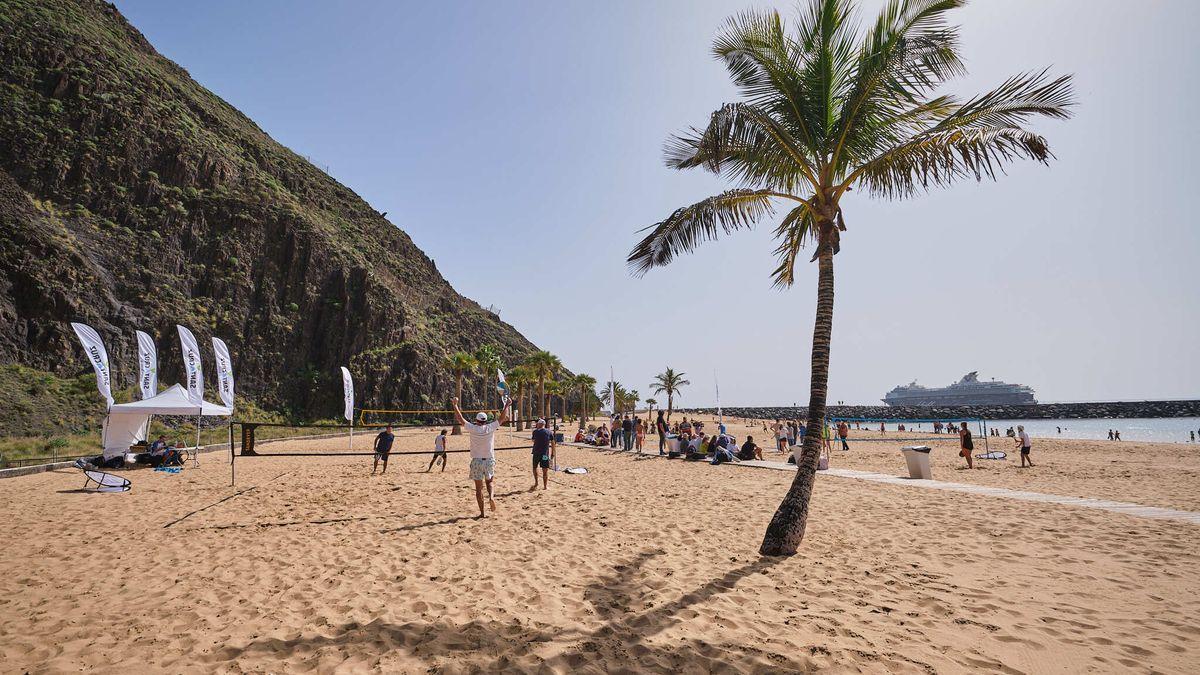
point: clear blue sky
(537, 127)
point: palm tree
(488, 363)
(634, 397)
(460, 362)
(584, 383)
(826, 108)
(669, 382)
(519, 379)
(543, 365)
(650, 403)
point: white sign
(98, 355)
(147, 365)
(224, 372)
(191, 365)
(348, 393)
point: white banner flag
(191, 365)
(348, 393)
(224, 372)
(98, 355)
(147, 365)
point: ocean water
(1159, 430)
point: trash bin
(558, 438)
(917, 457)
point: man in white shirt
(483, 451)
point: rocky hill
(132, 197)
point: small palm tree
(669, 382)
(584, 383)
(488, 362)
(542, 366)
(827, 108)
(460, 363)
(650, 403)
(518, 378)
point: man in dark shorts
(544, 449)
(383, 447)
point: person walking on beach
(1024, 442)
(383, 447)
(483, 451)
(781, 439)
(1110, 434)
(1117, 434)
(966, 445)
(439, 451)
(843, 432)
(617, 433)
(544, 449)
(661, 426)
(639, 434)
(627, 433)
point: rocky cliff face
(132, 197)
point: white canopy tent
(128, 423)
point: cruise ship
(967, 391)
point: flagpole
(717, 382)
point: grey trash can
(917, 458)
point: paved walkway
(1021, 495)
(1125, 508)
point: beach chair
(105, 482)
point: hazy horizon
(534, 131)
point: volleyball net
(378, 417)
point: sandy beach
(643, 564)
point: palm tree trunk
(670, 403)
(457, 430)
(542, 395)
(786, 530)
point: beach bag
(823, 462)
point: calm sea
(1160, 430)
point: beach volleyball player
(483, 451)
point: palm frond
(793, 233)
(975, 140)
(745, 144)
(690, 226)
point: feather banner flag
(502, 386)
(224, 372)
(147, 365)
(98, 355)
(348, 393)
(191, 365)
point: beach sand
(643, 564)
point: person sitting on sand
(158, 450)
(602, 435)
(543, 449)
(749, 450)
(1025, 444)
(721, 454)
(483, 450)
(383, 447)
(579, 436)
(439, 451)
(966, 445)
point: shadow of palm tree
(620, 643)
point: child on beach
(439, 451)
(1025, 444)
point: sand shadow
(431, 523)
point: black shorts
(1025, 451)
(383, 455)
(538, 461)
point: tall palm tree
(542, 365)
(825, 108)
(460, 363)
(584, 383)
(669, 382)
(650, 403)
(488, 362)
(634, 397)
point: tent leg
(196, 454)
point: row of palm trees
(545, 370)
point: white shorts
(483, 469)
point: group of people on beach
(481, 432)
